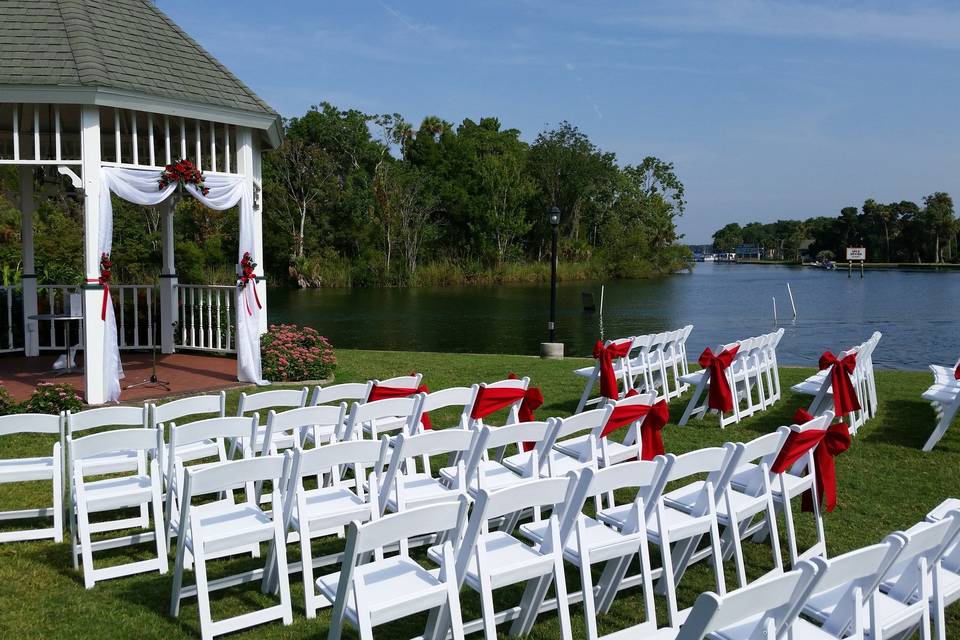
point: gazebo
(93, 96)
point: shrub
(7, 404)
(53, 398)
(291, 353)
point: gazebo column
(93, 325)
(31, 336)
(249, 165)
(168, 282)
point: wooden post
(168, 282)
(93, 325)
(31, 337)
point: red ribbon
(492, 399)
(956, 373)
(826, 444)
(106, 295)
(250, 282)
(379, 392)
(718, 395)
(844, 395)
(606, 354)
(655, 417)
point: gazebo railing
(207, 321)
(11, 331)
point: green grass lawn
(885, 483)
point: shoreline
(842, 266)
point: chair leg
(942, 425)
(669, 586)
(692, 405)
(587, 390)
(86, 547)
(279, 551)
(563, 603)
(610, 579)
(589, 608)
(486, 604)
(203, 594)
(57, 504)
(306, 562)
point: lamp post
(553, 349)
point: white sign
(856, 253)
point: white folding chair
(203, 406)
(845, 592)
(946, 584)
(32, 469)
(216, 529)
(489, 560)
(609, 450)
(944, 396)
(513, 408)
(452, 397)
(594, 542)
(305, 424)
(260, 403)
(484, 467)
(218, 431)
(580, 431)
(761, 610)
(141, 488)
(409, 386)
(785, 487)
(327, 509)
(907, 592)
(409, 481)
(371, 418)
(698, 405)
(676, 522)
(820, 386)
(370, 593)
(592, 375)
(347, 392)
(111, 460)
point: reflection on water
(916, 311)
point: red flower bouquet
(183, 172)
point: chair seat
(386, 424)
(807, 387)
(748, 475)
(115, 493)
(616, 451)
(802, 630)
(560, 463)
(678, 524)
(602, 542)
(941, 510)
(894, 615)
(508, 561)
(23, 469)
(694, 377)
(941, 394)
(420, 489)
(332, 506)
(397, 587)
(226, 525)
(282, 440)
(685, 498)
(490, 475)
(585, 372)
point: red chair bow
(718, 395)
(956, 373)
(605, 355)
(492, 399)
(379, 392)
(827, 444)
(655, 417)
(844, 395)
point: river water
(916, 311)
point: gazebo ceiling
(119, 53)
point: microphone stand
(153, 380)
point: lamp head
(554, 216)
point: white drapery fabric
(141, 187)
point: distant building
(748, 252)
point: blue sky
(768, 109)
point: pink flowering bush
(7, 404)
(52, 398)
(291, 353)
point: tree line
(357, 199)
(895, 232)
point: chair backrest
(407, 449)
(106, 417)
(389, 409)
(339, 392)
(304, 417)
(804, 466)
(862, 570)
(592, 422)
(227, 475)
(213, 429)
(268, 399)
(355, 452)
(537, 432)
(544, 492)
(112, 441)
(507, 383)
(928, 541)
(648, 477)
(400, 382)
(755, 610)
(765, 448)
(30, 423)
(450, 397)
(213, 403)
(718, 463)
(373, 536)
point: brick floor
(186, 373)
